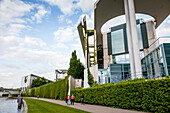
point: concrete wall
(73, 83)
(14, 92)
(86, 85)
(78, 83)
(105, 51)
(151, 33)
(1, 94)
(94, 72)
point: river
(9, 106)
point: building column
(86, 85)
(69, 89)
(129, 36)
(132, 30)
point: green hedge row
(150, 95)
(55, 90)
(4, 95)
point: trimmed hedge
(4, 95)
(150, 95)
(55, 90)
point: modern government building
(130, 50)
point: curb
(25, 108)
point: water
(9, 106)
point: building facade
(60, 73)
(126, 51)
(27, 81)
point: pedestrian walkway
(90, 108)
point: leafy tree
(76, 69)
(43, 80)
(38, 82)
(80, 70)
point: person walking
(19, 101)
(37, 96)
(68, 99)
(72, 99)
(82, 99)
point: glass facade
(103, 76)
(117, 38)
(119, 72)
(140, 36)
(156, 64)
(167, 56)
(116, 73)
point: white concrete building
(27, 81)
(60, 73)
(124, 38)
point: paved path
(90, 108)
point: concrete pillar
(129, 36)
(132, 32)
(86, 64)
(135, 41)
(69, 89)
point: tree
(76, 69)
(44, 81)
(80, 70)
(38, 82)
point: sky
(38, 36)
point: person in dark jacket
(82, 99)
(19, 101)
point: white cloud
(34, 41)
(8, 77)
(60, 46)
(11, 43)
(29, 60)
(68, 7)
(15, 48)
(61, 18)
(164, 28)
(14, 29)
(14, 16)
(12, 10)
(9, 65)
(65, 34)
(41, 12)
(68, 21)
(86, 5)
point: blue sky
(38, 36)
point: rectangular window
(140, 37)
(117, 39)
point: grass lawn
(39, 106)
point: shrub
(27, 91)
(150, 95)
(90, 78)
(55, 90)
(14, 95)
(4, 95)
